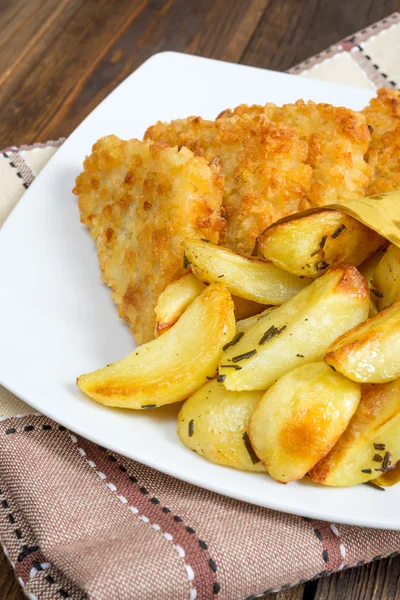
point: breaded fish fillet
(337, 138)
(383, 115)
(141, 200)
(263, 164)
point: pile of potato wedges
(288, 362)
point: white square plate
(57, 320)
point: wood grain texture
(376, 581)
(291, 31)
(91, 46)
(9, 587)
(60, 58)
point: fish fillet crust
(383, 116)
(140, 201)
(263, 164)
(337, 139)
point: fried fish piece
(337, 140)
(266, 177)
(383, 116)
(140, 201)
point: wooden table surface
(60, 58)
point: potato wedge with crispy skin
(244, 309)
(173, 366)
(387, 278)
(374, 430)
(309, 245)
(389, 478)
(372, 309)
(213, 423)
(245, 324)
(368, 268)
(298, 332)
(245, 276)
(300, 418)
(369, 353)
(174, 301)
(180, 293)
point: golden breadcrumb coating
(337, 138)
(141, 200)
(263, 166)
(383, 116)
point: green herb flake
(374, 485)
(380, 446)
(236, 367)
(221, 378)
(383, 470)
(191, 428)
(338, 231)
(149, 406)
(253, 456)
(321, 265)
(271, 333)
(234, 341)
(300, 355)
(376, 293)
(368, 471)
(205, 240)
(243, 356)
(387, 460)
(186, 263)
(377, 458)
(323, 241)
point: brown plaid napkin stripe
(78, 521)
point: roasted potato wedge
(180, 293)
(300, 418)
(372, 309)
(369, 266)
(374, 430)
(367, 270)
(175, 299)
(389, 478)
(244, 309)
(213, 423)
(245, 276)
(298, 332)
(387, 278)
(309, 245)
(173, 366)
(245, 324)
(370, 353)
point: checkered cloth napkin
(78, 521)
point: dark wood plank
(89, 47)
(296, 593)
(9, 587)
(291, 31)
(376, 581)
